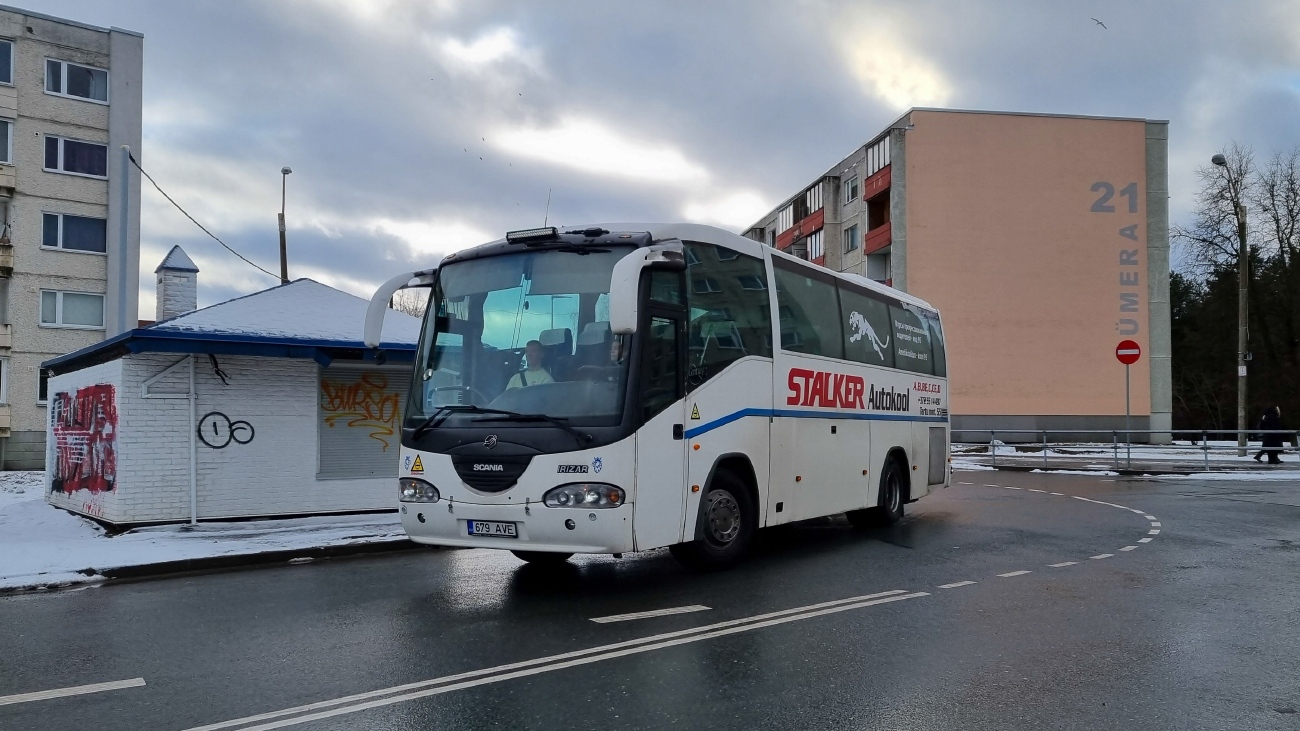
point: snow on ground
(1237, 475)
(43, 545)
(1218, 451)
(1077, 472)
(965, 464)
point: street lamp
(1243, 299)
(284, 251)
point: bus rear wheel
(543, 558)
(729, 520)
(889, 505)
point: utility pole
(284, 249)
(1243, 300)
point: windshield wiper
(501, 415)
(440, 415)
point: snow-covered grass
(1236, 476)
(41, 545)
(1218, 451)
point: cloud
(890, 70)
(434, 237)
(731, 210)
(589, 146)
(495, 45)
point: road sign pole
(1128, 434)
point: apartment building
(1043, 239)
(70, 99)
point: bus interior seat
(593, 344)
(557, 349)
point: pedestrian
(1272, 443)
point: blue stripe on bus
(792, 414)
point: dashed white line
(1033, 490)
(1009, 574)
(1128, 548)
(955, 585)
(651, 613)
(1155, 524)
(73, 690)
(1058, 494)
(1148, 517)
(1063, 563)
(1103, 555)
(1153, 532)
(1148, 539)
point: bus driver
(535, 373)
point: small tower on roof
(178, 284)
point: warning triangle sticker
(695, 412)
(417, 467)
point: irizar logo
(568, 469)
(862, 327)
(489, 468)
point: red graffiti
(368, 404)
(822, 388)
(85, 439)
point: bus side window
(809, 310)
(660, 379)
(728, 310)
(911, 340)
(937, 344)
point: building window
(727, 254)
(851, 189)
(815, 248)
(878, 211)
(7, 142)
(706, 285)
(852, 238)
(785, 218)
(72, 309)
(75, 157)
(752, 282)
(43, 387)
(74, 233)
(877, 156)
(69, 79)
(813, 199)
(4, 380)
(7, 62)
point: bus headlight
(417, 491)
(584, 495)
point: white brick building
(290, 413)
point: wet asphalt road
(1198, 627)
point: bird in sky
(1098, 22)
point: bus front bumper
(537, 527)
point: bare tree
(1276, 198)
(411, 301)
(1211, 240)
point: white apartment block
(70, 99)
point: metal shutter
(359, 420)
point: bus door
(660, 449)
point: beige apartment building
(70, 240)
(1043, 239)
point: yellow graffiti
(367, 404)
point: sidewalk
(43, 546)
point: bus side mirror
(378, 307)
(625, 283)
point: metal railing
(1194, 444)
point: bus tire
(889, 504)
(730, 520)
(542, 558)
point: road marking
(1148, 517)
(1128, 548)
(1009, 574)
(651, 613)
(74, 690)
(1155, 524)
(1058, 494)
(954, 586)
(965, 483)
(1103, 555)
(525, 668)
(1033, 490)
(1153, 532)
(1063, 563)
(1148, 539)
(1140, 512)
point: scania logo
(490, 441)
(489, 468)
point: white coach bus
(626, 387)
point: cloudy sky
(418, 127)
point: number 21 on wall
(1107, 190)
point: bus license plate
(491, 528)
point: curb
(169, 569)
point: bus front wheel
(728, 519)
(544, 558)
(889, 506)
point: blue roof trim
(153, 340)
(792, 414)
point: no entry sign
(1128, 352)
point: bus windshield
(526, 332)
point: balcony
(877, 239)
(6, 338)
(809, 224)
(4, 420)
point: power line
(196, 223)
